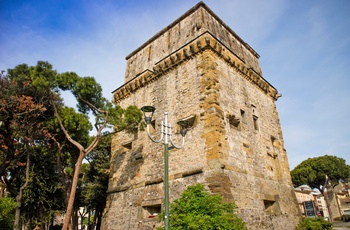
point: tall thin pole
(166, 173)
(166, 184)
(166, 134)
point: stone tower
(198, 69)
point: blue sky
(304, 48)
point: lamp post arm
(161, 136)
(171, 140)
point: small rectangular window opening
(127, 144)
(242, 113)
(273, 139)
(255, 120)
(151, 211)
(234, 121)
(270, 206)
(243, 116)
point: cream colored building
(304, 193)
(343, 198)
(322, 206)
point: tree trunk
(326, 198)
(82, 154)
(17, 225)
(328, 206)
(81, 216)
(68, 216)
(18, 213)
(61, 171)
(89, 222)
(75, 223)
(99, 220)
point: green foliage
(28, 101)
(42, 76)
(313, 171)
(88, 90)
(67, 80)
(25, 112)
(197, 209)
(7, 208)
(89, 97)
(43, 195)
(76, 124)
(318, 223)
(346, 218)
(128, 119)
(94, 194)
(132, 118)
(115, 117)
(85, 89)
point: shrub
(346, 218)
(7, 214)
(198, 209)
(318, 223)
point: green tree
(198, 209)
(90, 101)
(320, 172)
(29, 102)
(94, 194)
(78, 126)
(24, 111)
(7, 208)
(44, 194)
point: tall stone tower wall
(198, 69)
(184, 30)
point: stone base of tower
(269, 207)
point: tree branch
(70, 139)
(95, 142)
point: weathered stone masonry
(199, 70)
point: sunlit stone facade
(198, 69)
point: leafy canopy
(313, 171)
(33, 118)
(24, 113)
(7, 208)
(197, 209)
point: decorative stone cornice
(196, 46)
